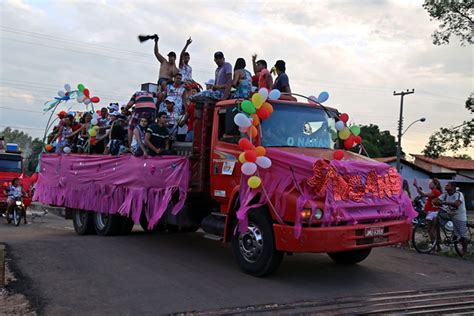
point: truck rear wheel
(255, 250)
(83, 222)
(107, 224)
(350, 257)
(127, 226)
(159, 227)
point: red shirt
(429, 207)
(262, 82)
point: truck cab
(11, 167)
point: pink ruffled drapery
(125, 184)
(379, 198)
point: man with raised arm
(184, 68)
(168, 67)
(265, 79)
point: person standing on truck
(117, 135)
(157, 137)
(184, 67)
(222, 83)
(144, 107)
(282, 82)
(265, 79)
(168, 67)
(242, 80)
(138, 147)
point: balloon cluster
(83, 95)
(323, 97)
(253, 112)
(350, 135)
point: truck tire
(107, 224)
(127, 226)
(159, 227)
(255, 250)
(350, 257)
(83, 222)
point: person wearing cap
(282, 82)
(171, 116)
(209, 84)
(113, 107)
(168, 67)
(144, 107)
(184, 68)
(265, 79)
(223, 80)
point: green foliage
(463, 156)
(452, 138)
(30, 147)
(378, 143)
(455, 17)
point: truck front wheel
(350, 257)
(107, 224)
(255, 250)
(83, 222)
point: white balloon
(87, 101)
(248, 168)
(67, 87)
(67, 150)
(264, 93)
(340, 125)
(94, 121)
(264, 162)
(95, 115)
(243, 129)
(241, 120)
(275, 94)
(61, 94)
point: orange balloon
(255, 120)
(49, 148)
(252, 130)
(268, 107)
(260, 150)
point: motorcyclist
(13, 192)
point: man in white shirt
(184, 67)
(454, 200)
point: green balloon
(80, 87)
(344, 133)
(248, 107)
(355, 130)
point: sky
(358, 51)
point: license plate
(374, 231)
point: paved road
(64, 273)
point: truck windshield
(8, 165)
(298, 126)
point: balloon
(94, 121)
(67, 87)
(86, 93)
(242, 157)
(248, 107)
(340, 125)
(263, 113)
(252, 131)
(95, 99)
(92, 140)
(338, 154)
(358, 139)
(67, 150)
(80, 97)
(87, 101)
(62, 114)
(349, 142)
(254, 182)
(250, 156)
(241, 120)
(245, 144)
(257, 100)
(96, 115)
(93, 132)
(243, 129)
(61, 94)
(312, 99)
(267, 106)
(344, 133)
(248, 168)
(264, 162)
(344, 117)
(264, 93)
(355, 130)
(255, 120)
(323, 97)
(34, 177)
(260, 151)
(80, 87)
(275, 94)
(48, 147)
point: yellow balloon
(344, 133)
(93, 132)
(254, 182)
(257, 100)
(242, 157)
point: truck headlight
(305, 214)
(18, 203)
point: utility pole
(400, 125)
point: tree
(463, 156)
(378, 143)
(30, 147)
(455, 17)
(452, 138)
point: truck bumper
(340, 238)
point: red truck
(213, 199)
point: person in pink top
(265, 79)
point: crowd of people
(150, 122)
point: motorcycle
(418, 207)
(16, 212)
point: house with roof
(444, 168)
